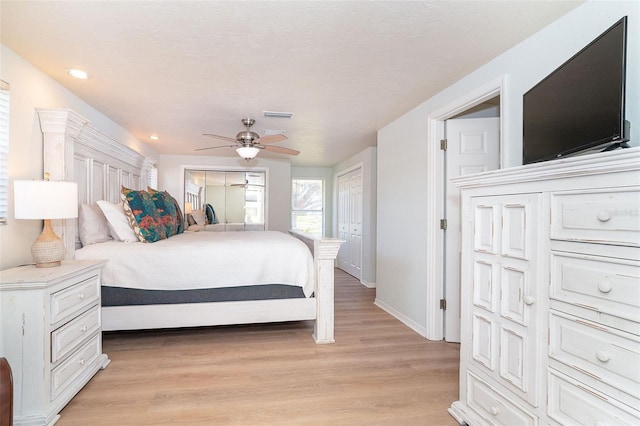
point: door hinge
(443, 304)
(443, 224)
(443, 144)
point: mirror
(236, 197)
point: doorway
(443, 294)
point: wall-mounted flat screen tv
(580, 106)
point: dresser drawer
(493, 406)
(572, 403)
(603, 353)
(600, 284)
(75, 299)
(70, 336)
(610, 216)
(73, 367)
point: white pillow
(92, 225)
(199, 217)
(117, 222)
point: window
(4, 151)
(307, 205)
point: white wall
(326, 174)
(171, 179)
(403, 190)
(369, 161)
(31, 89)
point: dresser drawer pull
(528, 300)
(603, 356)
(604, 215)
(83, 328)
(81, 296)
(494, 410)
(81, 362)
(604, 287)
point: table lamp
(45, 199)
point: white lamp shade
(247, 152)
(43, 199)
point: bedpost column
(324, 255)
(61, 127)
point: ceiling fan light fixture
(247, 152)
(277, 114)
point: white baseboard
(368, 284)
(403, 319)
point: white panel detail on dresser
(551, 293)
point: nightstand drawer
(573, 403)
(601, 284)
(75, 299)
(71, 369)
(601, 352)
(68, 337)
(494, 407)
(610, 216)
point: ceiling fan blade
(225, 138)
(214, 147)
(272, 139)
(281, 150)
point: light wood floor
(378, 372)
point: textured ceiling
(346, 68)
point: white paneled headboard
(76, 151)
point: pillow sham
(199, 217)
(92, 225)
(117, 222)
(166, 209)
(143, 215)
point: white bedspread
(196, 260)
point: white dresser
(50, 331)
(550, 297)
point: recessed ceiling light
(154, 137)
(277, 114)
(83, 75)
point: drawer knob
(603, 356)
(81, 296)
(604, 215)
(494, 410)
(528, 300)
(83, 328)
(81, 361)
(604, 286)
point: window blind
(153, 177)
(4, 151)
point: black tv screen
(580, 105)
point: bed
(190, 279)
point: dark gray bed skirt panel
(120, 296)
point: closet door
(350, 222)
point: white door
(473, 146)
(350, 222)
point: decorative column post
(325, 251)
(60, 128)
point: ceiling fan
(249, 143)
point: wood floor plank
(379, 372)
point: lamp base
(48, 249)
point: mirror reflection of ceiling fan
(249, 143)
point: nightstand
(51, 334)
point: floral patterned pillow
(143, 216)
(166, 210)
